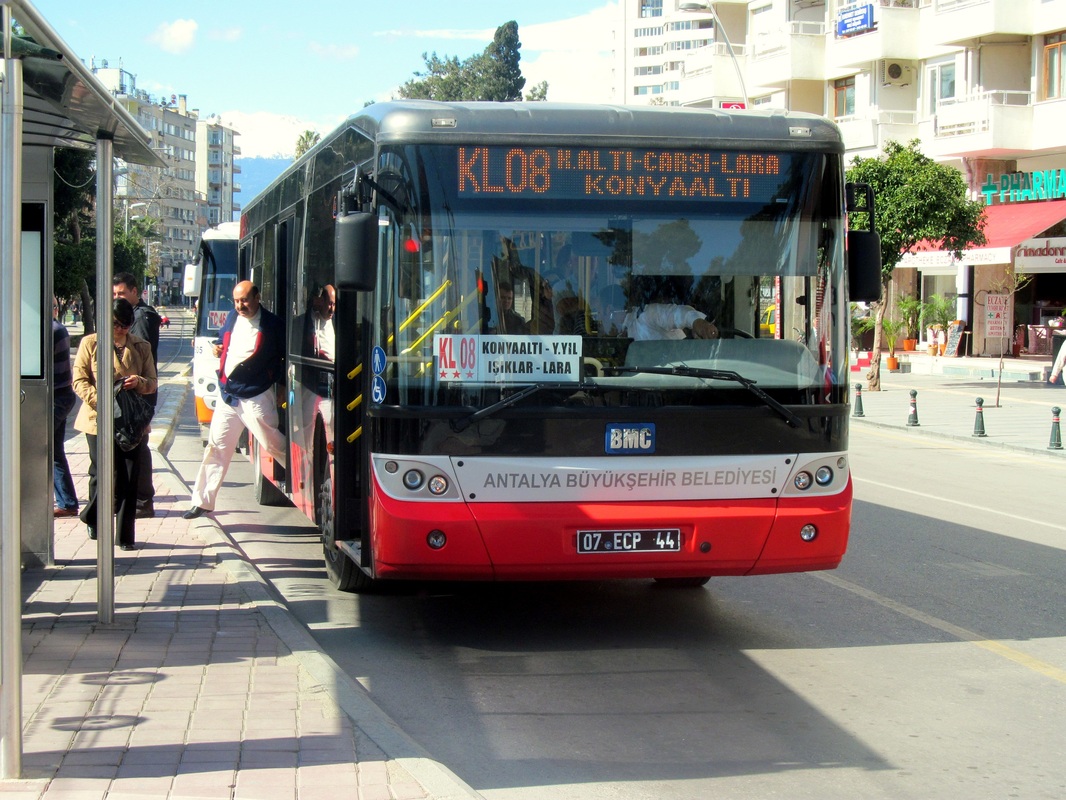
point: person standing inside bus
(654, 320)
(251, 356)
(146, 323)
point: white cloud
(575, 56)
(226, 34)
(334, 52)
(264, 134)
(175, 37)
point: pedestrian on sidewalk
(132, 363)
(146, 321)
(251, 355)
(63, 402)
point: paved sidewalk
(203, 686)
(946, 401)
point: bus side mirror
(353, 248)
(864, 266)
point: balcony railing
(973, 114)
(772, 43)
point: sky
(272, 69)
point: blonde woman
(132, 362)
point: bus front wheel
(340, 569)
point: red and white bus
(210, 279)
(485, 410)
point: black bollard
(979, 422)
(858, 401)
(912, 418)
(1056, 434)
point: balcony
(867, 136)
(711, 74)
(963, 22)
(863, 32)
(795, 52)
(993, 124)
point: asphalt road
(931, 664)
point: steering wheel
(733, 333)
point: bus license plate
(654, 540)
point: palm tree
(307, 140)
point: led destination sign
(573, 173)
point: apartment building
(981, 83)
(216, 170)
(194, 191)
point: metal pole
(105, 388)
(11, 112)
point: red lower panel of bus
(540, 541)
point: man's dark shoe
(125, 546)
(145, 510)
(194, 512)
(92, 532)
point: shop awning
(1007, 226)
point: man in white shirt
(251, 349)
(653, 321)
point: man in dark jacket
(251, 357)
(146, 325)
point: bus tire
(683, 583)
(342, 572)
(266, 492)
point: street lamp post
(708, 7)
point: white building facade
(194, 191)
(981, 83)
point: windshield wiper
(719, 375)
(506, 402)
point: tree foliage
(305, 142)
(916, 200)
(494, 74)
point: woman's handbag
(133, 414)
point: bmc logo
(628, 439)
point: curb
(954, 437)
(439, 782)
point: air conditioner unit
(896, 73)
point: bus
(482, 415)
(210, 280)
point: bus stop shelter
(48, 99)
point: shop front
(1009, 283)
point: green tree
(916, 200)
(493, 74)
(305, 142)
(74, 195)
(538, 93)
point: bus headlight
(808, 532)
(438, 485)
(823, 476)
(413, 479)
(802, 481)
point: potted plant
(910, 312)
(891, 329)
(938, 313)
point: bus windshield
(219, 269)
(594, 273)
